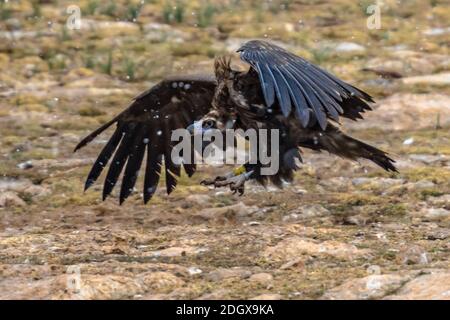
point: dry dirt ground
(344, 230)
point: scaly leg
(235, 180)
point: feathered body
(279, 91)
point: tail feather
(336, 142)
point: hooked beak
(195, 128)
(202, 126)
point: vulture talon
(207, 182)
(238, 188)
(235, 183)
(213, 182)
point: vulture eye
(209, 123)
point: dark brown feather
(147, 124)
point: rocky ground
(343, 231)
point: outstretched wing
(297, 84)
(146, 125)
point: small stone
(291, 217)
(436, 31)
(261, 278)
(61, 163)
(102, 287)
(109, 29)
(157, 32)
(420, 185)
(370, 287)
(434, 286)
(443, 201)
(357, 220)
(374, 269)
(408, 141)
(200, 199)
(381, 183)
(335, 183)
(430, 159)
(296, 246)
(315, 210)
(36, 191)
(161, 281)
(194, 270)
(413, 254)
(299, 190)
(16, 185)
(13, 24)
(11, 199)
(435, 213)
(349, 47)
(361, 181)
(307, 212)
(440, 234)
(175, 252)
(228, 212)
(222, 273)
(25, 165)
(436, 79)
(297, 263)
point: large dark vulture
(279, 91)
